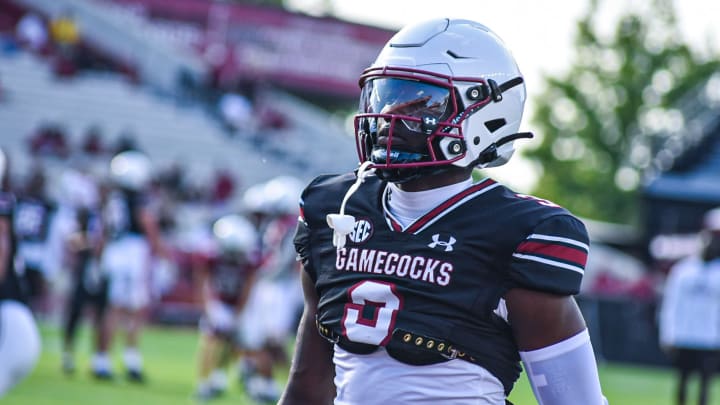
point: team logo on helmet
(362, 231)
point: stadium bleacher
(165, 129)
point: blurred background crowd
(225, 109)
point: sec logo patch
(362, 231)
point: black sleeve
(303, 232)
(322, 196)
(302, 247)
(552, 257)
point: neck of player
(451, 176)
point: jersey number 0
(370, 315)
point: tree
(599, 121)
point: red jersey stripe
(559, 252)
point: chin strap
(341, 223)
(490, 153)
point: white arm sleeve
(564, 373)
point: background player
(20, 339)
(133, 242)
(276, 300)
(690, 313)
(224, 281)
(83, 247)
(33, 213)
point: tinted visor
(405, 98)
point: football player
(690, 313)
(33, 212)
(224, 281)
(83, 244)
(133, 241)
(19, 336)
(423, 285)
(276, 300)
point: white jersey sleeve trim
(559, 239)
(549, 262)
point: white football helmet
(278, 196)
(235, 234)
(131, 169)
(253, 199)
(451, 82)
(282, 194)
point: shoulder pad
(323, 196)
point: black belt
(404, 346)
(342, 341)
(432, 347)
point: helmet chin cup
(398, 176)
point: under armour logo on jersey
(437, 242)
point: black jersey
(442, 276)
(31, 219)
(91, 227)
(228, 278)
(11, 287)
(122, 213)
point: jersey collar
(439, 211)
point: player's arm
(152, 229)
(669, 308)
(98, 240)
(555, 348)
(312, 370)
(201, 280)
(546, 322)
(247, 288)
(541, 319)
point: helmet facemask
(410, 121)
(401, 106)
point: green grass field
(170, 364)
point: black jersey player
(433, 287)
(19, 335)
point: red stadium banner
(247, 42)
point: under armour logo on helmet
(429, 124)
(437, 242)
